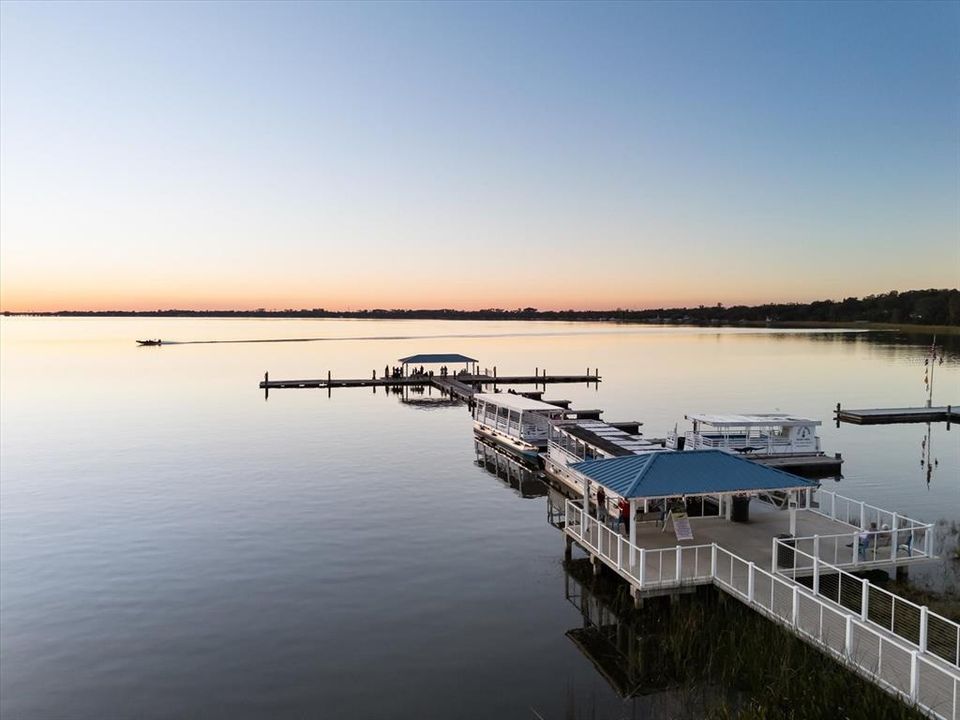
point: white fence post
(863, 516)
(679, 563)
(894, 537)
(914, 675)
(816, 575)
(795, 615)
(928, 541)
(643, 566)
(713, 560)
(865, 600)
(750, 568)
(773, 555)
(848, 637)
(924, 624)
(833, 505)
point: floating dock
(889, 416)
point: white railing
(644, 567)
(916, 624)
(863, 547)
(860, 514)
(769, 444)
(890, 663)
(876, 652)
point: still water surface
(173, 544)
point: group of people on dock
(620, 518)
(398, 372)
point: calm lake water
(173, 544)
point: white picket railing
(916, 624)
(879, 654)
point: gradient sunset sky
(216, 155)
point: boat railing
(881, 655)
(699, 441)
(916, 624)
(557, 450)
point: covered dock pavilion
(469, 363)
(718, 489)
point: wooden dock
(462, 386)
(889, 416)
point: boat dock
(888, 416)
(463, 386)
(803, 580)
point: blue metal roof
(429, 359)
(693, 472)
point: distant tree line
(919, 307)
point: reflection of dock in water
(519, 477)
(620, 645)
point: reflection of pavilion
(521, 478)
(617, 647)
(422, 396)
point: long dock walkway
(902, 647)
(461, 385)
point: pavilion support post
(728, 508)
(633, 529)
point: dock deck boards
(884, 416)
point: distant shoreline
(576, 316)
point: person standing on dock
(624, 507)
(601, 505)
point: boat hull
(523, 450)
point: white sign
(681, 526)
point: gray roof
(693, 472)
(434, 358)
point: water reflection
(622, 644)
(523, 479)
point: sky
(473, 155)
